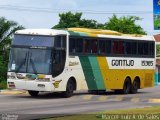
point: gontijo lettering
(124, 62)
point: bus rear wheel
(69, 89)
(126, 87)
(134, 88)
(33, 93)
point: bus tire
(91, 91)
(126, 87)
(69, 89)
(135, 86)
(117, 91)
(33, 93)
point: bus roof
(84, 32)
(51, 32)
(106, 34)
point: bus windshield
(25, 60)
(37, 54)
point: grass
(129, 114)
(3, 85)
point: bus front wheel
(33, 93)
(69, 89)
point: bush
(3, 84)
(3, 68)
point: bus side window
(151, 49)
(87, 46)
(60, 42)
(72, 45)
(108, 46)
(128, 48)
(94, 46)
(115, 47)
(140, 48)
(79, 45)
(134, 48)
(102, 46)
(121, 47)
(118, 47)
(59, 58)
(146, 48)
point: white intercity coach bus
(80, 59)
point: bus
(72, 59)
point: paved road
(82, 102)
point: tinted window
(118, 47)
(146, 48)
(94, 46)
(60, 42)
(87, 46)
(79, 45)
(72, 45)
(111, 47)
(33, 40)
(151, 49)
(143, 48)
(131, 48)
(108, 46)
(104, 46)
(76, 45)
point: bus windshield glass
(33, 40)
(34, 54)
(25, 60)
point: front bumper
(31, 85)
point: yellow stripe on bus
(103, 68)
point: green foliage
(125, 25)
(3, 84)
(158, 50)
(7, 28)
(68, 20)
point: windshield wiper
(33, 66)
(23, 62)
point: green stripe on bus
(88, 73)
(97, 73)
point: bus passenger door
(59, 58)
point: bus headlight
(43, 79)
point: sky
(156, 7)
(44, 13)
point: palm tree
(7, 28)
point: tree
(125, 25)
(69, 19)
(7, 28)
